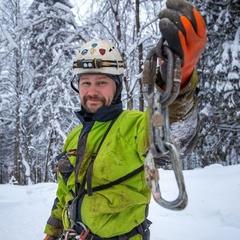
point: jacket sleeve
(183, 116)
(184, 123)
(54, 226)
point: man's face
(96, 91)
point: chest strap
(119, 180)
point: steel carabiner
(152, 178)
(160, 142)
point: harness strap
(141, 229)
(88, 176)
(119, 180)
(94, 155)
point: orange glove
(184, 29)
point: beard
(93, 108)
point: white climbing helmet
(98, 56)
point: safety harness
(78, 229)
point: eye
(85, 83)
(102, 83)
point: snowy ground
(213, 212)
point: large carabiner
(160, 142)
(152, 178)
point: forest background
(38, 42)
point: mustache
(99, 98)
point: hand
(184, 29)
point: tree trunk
(140, 54)
(17, 141)
(48, 155)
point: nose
(92, 90)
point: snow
(213, 211)
(7, 36)
(231, 49)
(63, 7)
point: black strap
(88, 176)
(119, 180)
(79, 158)
(141, 229)
(94, 155)
(97, 63)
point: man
(102, 191)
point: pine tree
(51, 32)
(219, 74)
(13, 92)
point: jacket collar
(102, 115)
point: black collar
(102, 115)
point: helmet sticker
(112, 48)
(84, 51)
(92, 50)
(94, 45)
(102, 51)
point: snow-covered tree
(51, 33)
(13, 94)
(219, 74)
(133, 27)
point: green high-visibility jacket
(120, 208)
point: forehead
(94, 76)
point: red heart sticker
(102, 51)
